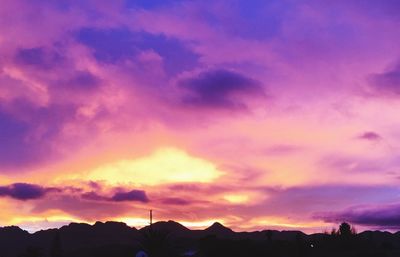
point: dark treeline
(170, 239)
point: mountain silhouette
(219, 230)
(117, 239)
(167, 226)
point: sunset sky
(258, 114)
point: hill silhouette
(219, 229)
(169, 238)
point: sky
(258, 114)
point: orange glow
(236, 198)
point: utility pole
(151, 220)
(151, 217)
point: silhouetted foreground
(170, 239)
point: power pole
(151, 217)
(151, 220)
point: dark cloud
(39, 57)
(108, 45)
(95, 185)
(115, 44)
(24, 191)
(133, 195)
(93, 196)
(383, 217)
(219, 89)
(387, 83)
(370, 136)
(176, 56)
(83, 80)
(149, 4)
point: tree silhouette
(346, 230)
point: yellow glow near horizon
(166, 165)
(134, 222)
(19, 220)
(142, 222)
(287, 223)
(199, 224)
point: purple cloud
(219, 89)
(303, 200)
(82, 80)
(18, 149)
(95, 185)
(45, 58)
(28, 132)
(93, 196)
(108, 45)
(91, 204)
(133, 195)
(381, 216)
(23, 191)
(370, 136)
(26, 191)
(38, 57)
(150, 4)
(386, 83)
(116, 44)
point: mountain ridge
(215, 226)
(108, 238)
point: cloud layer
(23, 191)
